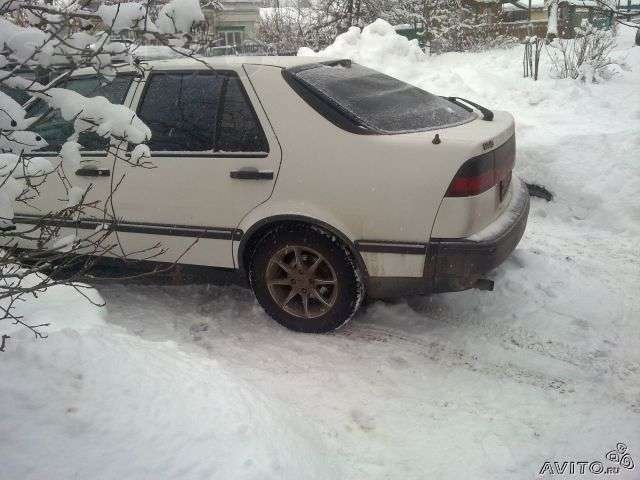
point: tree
(36, 38)
(445, 25)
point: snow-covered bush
(585, 57)
(62, 37)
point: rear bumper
(456, 264)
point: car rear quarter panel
(370, 187)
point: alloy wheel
(302, 282)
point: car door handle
(251, 174)
(93, 172)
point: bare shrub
(585, 57)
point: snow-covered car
(321, 181)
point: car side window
(200, 111)
(239, 129)
(56, 130)
(181, 109)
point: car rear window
(372, 101)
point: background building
(231, 22)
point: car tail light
(485, 171)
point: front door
(90, 179)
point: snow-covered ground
(196, 382)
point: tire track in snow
(441, 353)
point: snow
(185, 416)
(111, 119)
(376, 43)
(11, 114)
(24, 44)
(125, 16)
(139, 153)
(179, 16)
(70, 153)
(19, 167)
(197, 382)
(21, 141)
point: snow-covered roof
(522, 4)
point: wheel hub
(302, 282)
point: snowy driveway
(470, 385)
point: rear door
(213, 157)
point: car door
(213, 157)
(93, 176)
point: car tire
(305, 279)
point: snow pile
(376, 44)
(92, 398)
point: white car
(321, 181)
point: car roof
(227, 60)
(219, 62)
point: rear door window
(200, 111)
(239, 129)
(56, 130)
(371, 101)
